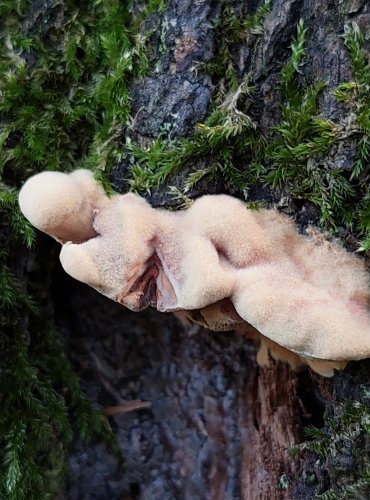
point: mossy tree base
(120, 85)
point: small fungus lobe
(217, 264)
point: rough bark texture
(218, 427)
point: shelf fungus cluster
(216, 263)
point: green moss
(63, 104)
(300, 153)
(40, 396)
(226, 135)
(230, 32)
(346, 434)
(356, 95)
(78, 91)
(295, 155)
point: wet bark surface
(215, 425)
(218, 426)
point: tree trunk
(217, 426)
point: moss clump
(356, 94)
(231, 30)
(294, 155)
(299, 154)
(77, 88)
(63, 104)
(296, 152)
(226, 135)
(346, 434)
(228, 139)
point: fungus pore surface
(217, 263)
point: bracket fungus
(217, 263)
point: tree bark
(218, 426)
